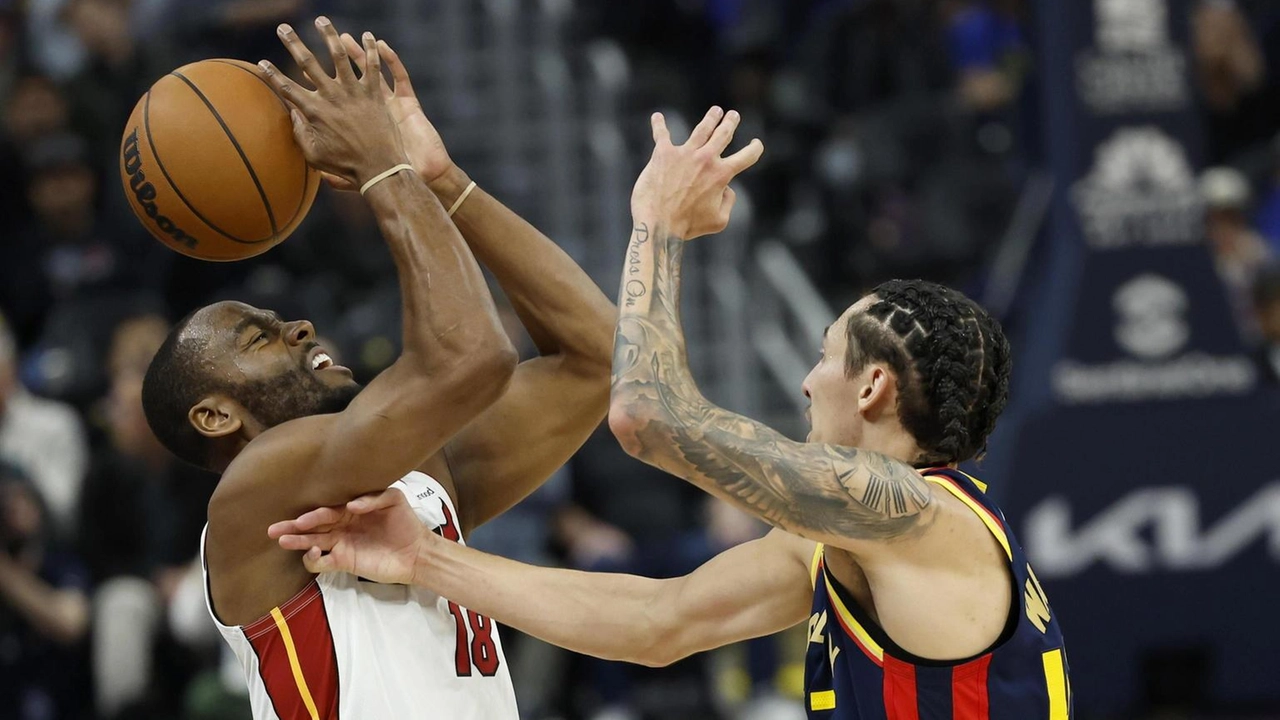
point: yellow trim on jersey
(823, 700)
(1055, 678)
(983, 514)
(813, 566)
(981, 485)
(859, 633)
(296, 666)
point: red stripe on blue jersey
(854, 670)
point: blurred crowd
(900, 133)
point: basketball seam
(155, 152)
(239, 150)
(302, 199)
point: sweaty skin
(453, 405)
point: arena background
(1104, 175)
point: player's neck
(226, 451)
(892, 441)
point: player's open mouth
(321, 361)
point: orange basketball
(209, 162)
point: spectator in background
(988, 52)
(44, 439)
(212, 26)
(1266, 305)
(54, 49)
(1268, 216)
(339, 245)
(117, 70)
(9, 52)
(140, 528)
(44, 611)
(1228, 60)
(66, 252)
(1239, 99)
(35, 109)
(1238, 251)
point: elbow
(488, 372)
(661, 654)
(467, 383)
(658, 661)
(637, 422)
(664, 644)
(625, 421)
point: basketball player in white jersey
(453, 423)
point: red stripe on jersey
(969, 690)
(900, 701)
(983, 508)
(449, 530)
(308, 626)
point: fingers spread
(341, 62)
(354, 50)
(372, 61)
(723, 134)
(302, 55)
(746, 157)
(288, 90)
(703, 131)
(399, 75)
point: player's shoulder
(278, 457)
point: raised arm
(555, 400)
(456, 359)
(837, 495)
(754, 589)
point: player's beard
(293, 395)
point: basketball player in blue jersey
(921, 604)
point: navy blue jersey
(853, 671)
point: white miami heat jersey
(350, 649)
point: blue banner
(1136, 464)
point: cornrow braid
(951, 359)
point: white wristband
(458, 203)
(383, 176)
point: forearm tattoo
(801, 488)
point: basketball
(209, 163)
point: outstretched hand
(342, 126)
(422, 142)
(376, 537)
(687, 186)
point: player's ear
(877, 390)
(214, 417)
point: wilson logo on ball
(145, 193)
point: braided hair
(951, 360)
